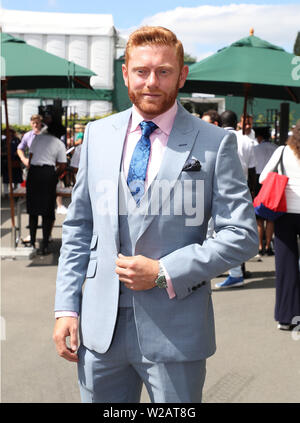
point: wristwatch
(161, 281)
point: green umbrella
(66, 94)
(249, 67)
(24, 67)
(28, 67)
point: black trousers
(287, 304)
(47, 223)
(40, 200)
(41, 191)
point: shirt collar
(164, 121)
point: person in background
(37, 125)
(36, 122)
(47, 160)
(74, 164)
(228, 120)
(79, 132)
(212, 116)
(17, 176)
(262, 153)
(249, 131)
(287, 232)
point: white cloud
(203, 55)
(205, 29)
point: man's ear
(183, 75)
(125, 74)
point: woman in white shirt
(287, 230)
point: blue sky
(126, 13)
(203, 26)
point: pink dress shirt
(159, 139)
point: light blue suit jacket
(176, 329)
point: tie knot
(147, 128)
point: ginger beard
(156, 105)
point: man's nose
(152, 80)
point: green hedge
(87, 119)
(17, 128)
(83, 121)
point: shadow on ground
(5, 231)
(50, 259)
(266, 280)
(259, 280)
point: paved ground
(254, 361)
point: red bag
(270, 202)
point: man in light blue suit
(135, 265)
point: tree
(297, 45)
(190, 59)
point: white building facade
(89, 40)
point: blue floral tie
(139, 162)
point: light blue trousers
(118, 375)
(236, 272)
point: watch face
(161, 282)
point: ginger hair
(154, 36)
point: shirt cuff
(65, 314)
(170, 289)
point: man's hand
(23, 158)
(64, 327)
(137, 272)
(26, 162)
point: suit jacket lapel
(180, 143)
(114, 168)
